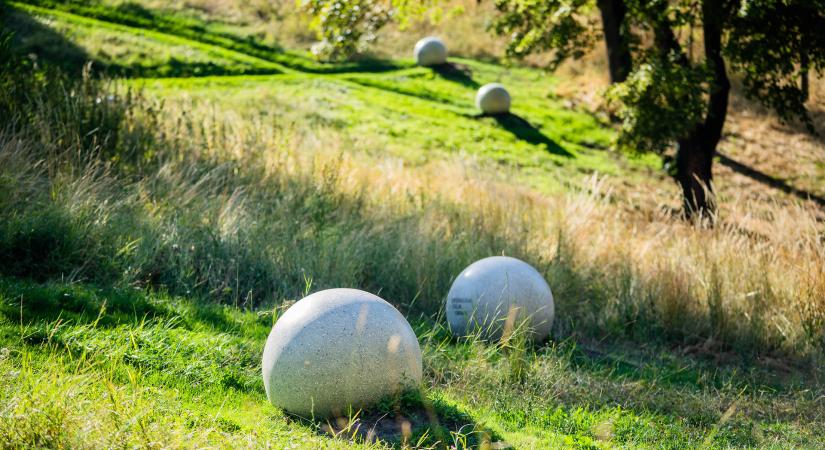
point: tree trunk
(694, 158)
(694, 173)
(616, 38)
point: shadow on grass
(409, 419)
(41, 43)
(773, 182)
(684, 372)
(28, 302)
(50, 48)
(524, 131)
(137, 16)
(362, 65)
(457, 73)
(451, 72)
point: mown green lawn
(417, 114)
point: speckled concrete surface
(493, 98)
(430, 51)
(497, 293)
(339, 348)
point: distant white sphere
(337, 349)
(430, 51)
(492, 98)
(497, 294)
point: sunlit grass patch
(184, 377)
(121, 49)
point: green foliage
(564, 26)
(772, 42)
(345, 27)
(660, 102)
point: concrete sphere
(492, 98)
(495, 295)
(430, 51)
(336, 349)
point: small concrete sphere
(337, 349)
(497, 294)
(430, 51)
(492, 98)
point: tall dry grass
(219, 207)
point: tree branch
(665, 38)
(712, 24)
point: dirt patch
(431, 424)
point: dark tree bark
(694, 173)
(804, 81)
(694, 158)
(616, 38)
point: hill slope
(154, 228)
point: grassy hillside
(403, 112)
(153, 228)
(92, 367)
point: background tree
(568, 29)
(617, 38)
(345, 27)
(674, 94)
(669, 63)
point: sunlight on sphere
(339, 348)
(496, 295)
(492, 98)
(430, 51)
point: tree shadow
(136, 15)
(395, 88)
(45, 302)
(523, 130)
(773, 182)
(41, 43)
(457, 73)
(409, 419)
(50, 48)
(363, 64)
(77, 303)
(675, 371)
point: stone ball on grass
(497, 295)
(339, 349)
(493, 98)
(430, 51)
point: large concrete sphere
(430, 51)
(497, 294)
(339, 348)
(492, 98)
